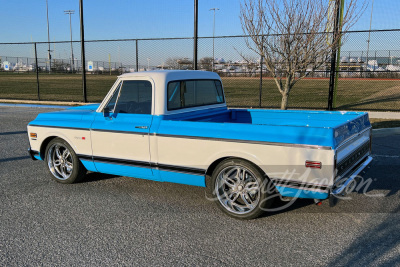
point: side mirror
(106, 112)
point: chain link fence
(368, 78)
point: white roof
(160, 80)
(171, 75)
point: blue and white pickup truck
(174, 126)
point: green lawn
(356, 94)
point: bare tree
(292, 37)
(206, 63)
(172, 63)
(178, 63)
(185, 63)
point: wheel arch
(47, 140)
(44, 145)
(215, 163)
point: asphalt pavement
(111, 220)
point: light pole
(48, 34)
(369, 34)
(70, 12)
(213, 9)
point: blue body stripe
(89, 165)
(144, 173)
(182, 178)
(300, 193)
(125, 170)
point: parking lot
(110, 220)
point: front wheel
(62, 162)
(239, 189)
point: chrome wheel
(237, 189)
(60, 161)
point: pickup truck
(174, 126)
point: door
(120, 134)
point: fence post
(196, 27)
(333, 58)
(37, 74)
(387, 71)
(137, 56)
(83, 52)
(261, 71)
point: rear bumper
(33, 153)
(359, 168)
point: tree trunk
(284, 102)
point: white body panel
(278, 162)
(121, 146)
(72, 136)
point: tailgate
(353, 144)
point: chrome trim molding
(243, 141)
(353, 137)
(117, 131)
(88, 129)
(59, 127)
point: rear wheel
(239, 189)
(62, 162)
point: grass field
(353, 94)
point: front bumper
(33, 153)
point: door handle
(141, 127)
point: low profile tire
(239, 189)
(62, 162)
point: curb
(42, 103)
(39, 104)
(384, 115)
(33, 106)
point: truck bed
(295, 127)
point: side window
(174, 95)
(113, 100)
(135, 98)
